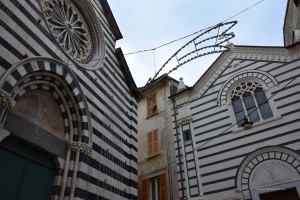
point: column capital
(6, 101)
(79, 146)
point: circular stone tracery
(72, 31)
(243, 88)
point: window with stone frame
(249, 99)
(153, 144)
(151, 105)
(186, 132)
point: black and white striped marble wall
(221, 146)
(110, 170)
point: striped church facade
(75, 63)
(216, 157)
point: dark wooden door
(26, 173)
(287, 194)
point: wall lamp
(247, 125)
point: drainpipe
(197, 162)
(167, 144)
(185, 164)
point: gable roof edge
(276, 53)
(111, 20)
(127, 74)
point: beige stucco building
(157, 175)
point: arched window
(249, 98)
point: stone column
(77, 147)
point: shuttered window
(154, 188)
(163, 186)
(151, 105)
(153, 143)
(145, 193)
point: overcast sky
(146, 24)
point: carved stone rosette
(81, 147)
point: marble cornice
(275, 54)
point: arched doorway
(270, 173)
(42, 104)
(286, 194)
(36, 139)
(26, 173)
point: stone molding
(200, 197)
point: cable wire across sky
(187, 36)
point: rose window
(72, 31)
(69, 28)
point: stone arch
(48, 74)
(267, 79)
(257, 163)
(47, 82)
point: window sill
(151, 115)
(256, 124)
(187, 142)
(153, 156)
